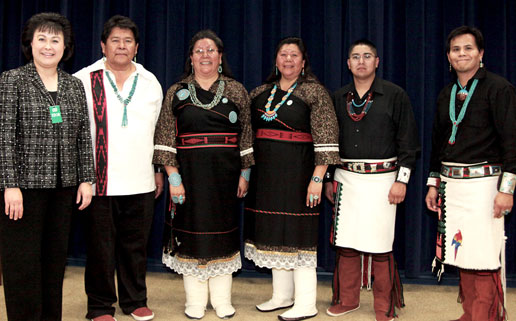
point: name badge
(55, 114)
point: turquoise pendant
(233, 117)
(183, 94)
(462, 94)
(269, 115)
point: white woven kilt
(364, 219)
(473, 238)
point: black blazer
(34, 153)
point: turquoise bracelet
(175, 179)
(246, 174)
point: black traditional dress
(280, 230)
(207, 149)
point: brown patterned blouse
(323, 122)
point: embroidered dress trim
(246, 152)
(284, 135)
(326, 148)
(281, 213)
(203, 140)
(165, 148)
(213, 268)
(205, 233)
(279, 259)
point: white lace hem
(280, 260)
(203, 272)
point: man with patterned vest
(378, 142)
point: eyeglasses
(208, 51)
(366, 56)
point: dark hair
(206, 34)
(365, 42)
(309, 75)
(121, 22)
(465, 30)
(53, 23)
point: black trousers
(33, 251)
(118, 229)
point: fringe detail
(396, 297)
(370, 273)
(397, 288)
(335, 284)
(497, 311)
(439, 266)
(503, 271)
(366, 269)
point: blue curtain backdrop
(410, 36)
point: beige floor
(166, 298)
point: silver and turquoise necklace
(458, 120)
(126, 101)
(214, 102)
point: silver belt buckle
(495, 169)
(359, 167)
(477, 171)
(445, 170)
(457, 172)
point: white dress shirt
(130, 149)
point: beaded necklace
(351, 103)
(270, 115)
(126, 101)
(457, 121)
(214, 102)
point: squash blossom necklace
(126, 101)
(270, 115)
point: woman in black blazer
(46, 166)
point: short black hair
(465, 30)
(53, 23)
(121, 22)
(301, 45)
(206, 34)
(365, 42)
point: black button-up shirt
(388, 130)
(488, 131)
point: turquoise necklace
(351, 104)
(270, 115)
(126, 101)
(457, 121)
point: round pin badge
(289, 102)
(233, 117)
(183, 94)
(224, 100)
